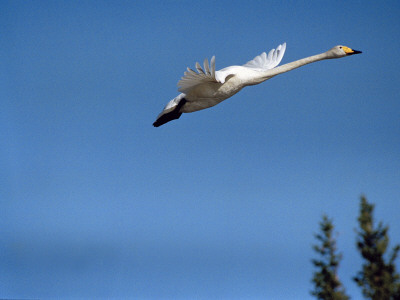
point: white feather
(267, 62)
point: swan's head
(341, 51)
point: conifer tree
(326, 282)
(378, 278)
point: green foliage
(325, 279)
(378, 278)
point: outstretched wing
(192, 78)
(266, 62)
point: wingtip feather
(198, 67)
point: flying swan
(207, 87)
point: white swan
(207, 87)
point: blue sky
(220, 204)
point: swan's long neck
(293, 65)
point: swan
(207, 87)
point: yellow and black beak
(350, 51)
(354, 52)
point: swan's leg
(172, 115)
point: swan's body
(207, 87)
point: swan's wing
(266, 62)
(192, 78)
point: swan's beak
(350, 51)
(354, 52)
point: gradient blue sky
(220, 204)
